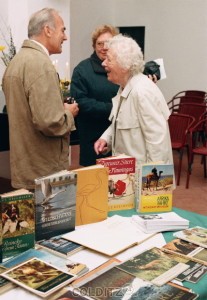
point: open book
(110, 236)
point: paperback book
(118, 284)
(55, 204)
(5, 284)
(60, 246)
(38, 277)
(91, 197)
(121, 181)
(18, 222)
(169, 221)
(155, 187)
(188, 250)
(196, 235)
(155, 266)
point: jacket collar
(96, 64)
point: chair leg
(179, 166)
(189, 171)
(204, 166)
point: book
(121, 181)
(169, 221)
(66, 294)
(187, 250)
(55, 204)
(110, 236)
(91, 196)
(196, 235)
(76, 268)
(155, 266)
(60, 246)
(18, 222)
(155, 187)
(117, 284)
(5, 284)
(38, 277)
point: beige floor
(192, 199)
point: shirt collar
(41, 45)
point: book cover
(187, 250)
(66, 294)
(196, 235)
(18, 222)
(60, 246)
(109, 237)
(5, 284)
(118, 284)
(156, 184)
(46, 256)
(121, 181)
(55, 204)
(155, 266)
(38, 277)
(91, 197)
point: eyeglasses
(101, 44)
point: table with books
(93, 259)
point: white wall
(174, 29)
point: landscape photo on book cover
(196, 235)
(38, 276)
(18, 224)
(55, 201)
(116, 284)
(153, 264)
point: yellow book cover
(92, 194)
(121, 185)
(156, 188)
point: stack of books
(170, 221)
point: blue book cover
(55, 204)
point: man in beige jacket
(39, 122)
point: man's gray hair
(128, 53)
(39, 19)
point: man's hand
(100, 146)
(73, 108)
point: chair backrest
(196, 93)
(195, 110)
(201, 125)
(179, 125)
(183, 99)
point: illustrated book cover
(17, 221)
(109, 237)
(5, 284)
(168, 221)
(91, 197)
(60, 246)
(38, 277)
(121, 181)
(55, 204)
(155, 266)
(187, 250)
(66, 294)
(196, 235)
(118, 284)
(155, 184)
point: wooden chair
(179, 125)
(198, 148)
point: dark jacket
(93, 93)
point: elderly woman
(139, 115)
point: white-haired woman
(139, 115)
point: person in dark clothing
(93, 93)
